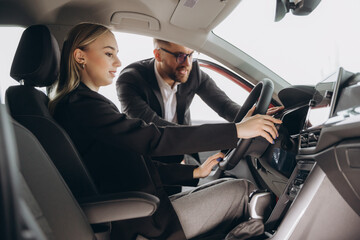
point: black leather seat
(36, 64)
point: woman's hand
(205, 169)
(258, 125)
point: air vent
(309, 139)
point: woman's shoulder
(82, 103)
(82, 93)
(79, 97)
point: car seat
(47, 196)
(36, 64)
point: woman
(116, 149)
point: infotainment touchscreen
(323, 103)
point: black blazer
(140, 96)
(116, 151)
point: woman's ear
(79, 56)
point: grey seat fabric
(36, 64)
(38, 216)
(58, 205)
(15, 216)
(42, 186)
(42, 198)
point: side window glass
(200, 111)
(10, 37)
(131, 48)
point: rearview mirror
(297, 7)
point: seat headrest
(37, 58)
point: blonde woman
(116, 148)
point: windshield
(300, 49)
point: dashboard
(322, 109)
(321, 126)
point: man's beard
(175, 79)
(178, 79)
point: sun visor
(196, 14)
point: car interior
(311, 172)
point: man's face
(175, 62)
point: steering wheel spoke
(261, 96)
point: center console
(295, 184)
(321, 109)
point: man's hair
(157, 42)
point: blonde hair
(79, 37)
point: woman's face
(100, 62)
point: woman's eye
(109, 54)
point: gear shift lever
(259, 211)
(260, 204)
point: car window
(301, 50)
(200, 111)
(9, 42)
(133, 47)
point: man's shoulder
(139, 66)
(137, 70)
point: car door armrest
(120, 206)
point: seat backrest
(36, 64)
(60, 209)
(40, 187)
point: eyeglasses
(181, 57)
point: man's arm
(133, 93)
(215, 98)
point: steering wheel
(261, 95)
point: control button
(312, 103)
(313, 137)
(328, 94)
(298, 181)
(357, 109)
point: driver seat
(36, 64)
(42, 205)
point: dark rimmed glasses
(181, 57)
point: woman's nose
(117, 62)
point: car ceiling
(181, 21)
(172, 15)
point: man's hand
(273, 110)
(205, 169)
